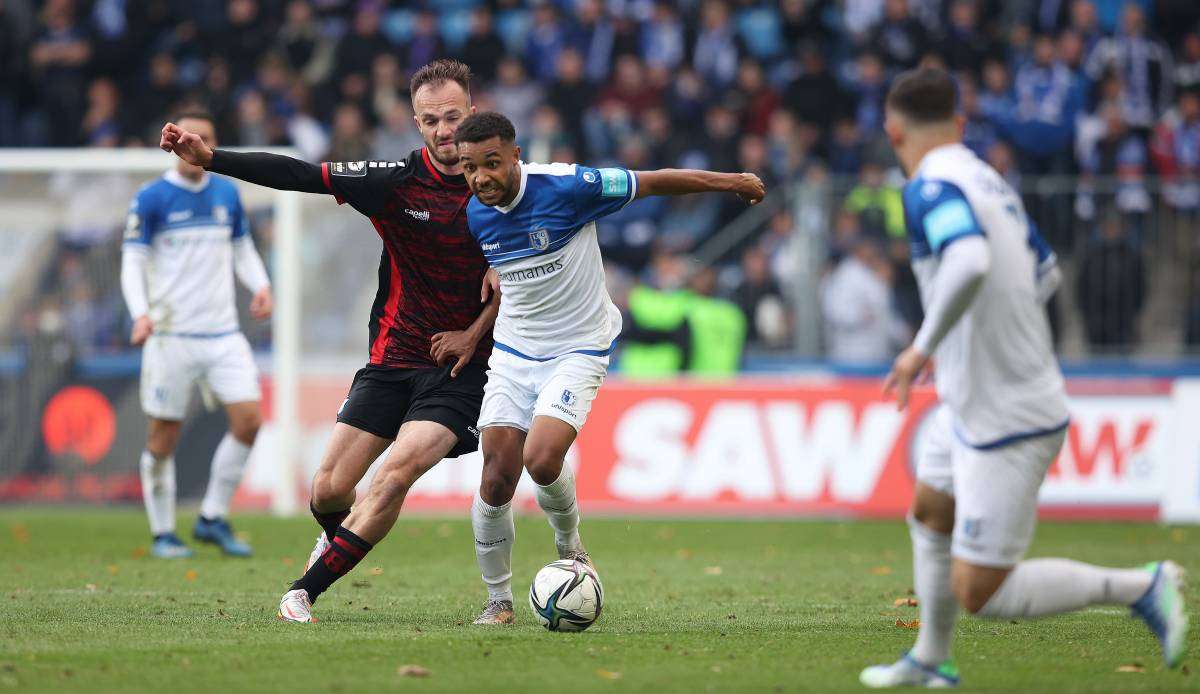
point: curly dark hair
(484, 126)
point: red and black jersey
(431, 268)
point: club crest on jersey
(931, 190)
(539, 239)
(221, 214)
(569, 399)
(589, 176)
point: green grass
(692, 606)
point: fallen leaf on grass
(288, 561)
(914, 624)
(1186, 671)
(1177, 535)
(683, 554)
(91, 587)
(377, 571)
(1132, 667)
(361, 584)
(413, 671)
(715, 668)
(904, 602)
(138, 552)
(881, 570)
(444, 530)
(20, 534)
(608, 674)
(713, 571)
(113, 569)
(191, 575)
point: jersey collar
(176, 179)
(939, 151)
(520, 192)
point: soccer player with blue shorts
(185, 238)
(981, 269)
(556, 328)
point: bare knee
(162, 437)
(391, 485)
(501, 472)
(974, 586)
(933, 509)
(544, 464)
(245, 426)
(328, 491)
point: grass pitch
(691, 606)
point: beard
(435, 152)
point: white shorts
(171, 364)
(519, 389)
(995, 491)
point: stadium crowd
(1094, 90)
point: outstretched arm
(746, 186)
(270, 170)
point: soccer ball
(566, 595)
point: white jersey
(996, 368)
(188, 231)
(543, 245)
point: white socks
(935, 599)
(228, 463)
(158, 491)
(1041, 587)
(557, 499)
(494, 535)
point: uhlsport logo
(539, 239)
(568, 398)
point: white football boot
(318, 550)
(907, 672)
(296, 607)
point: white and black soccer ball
(566, 595)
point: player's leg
(568, 386)
(231, 374)
(166, 383)
(419, 446)
(504, 418)
(997, 513)
(492, 518)
(930, 523)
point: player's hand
(186, 145)
(490, 286)
(456, 346)
(905, 371)
(142, 327)
(750, 188)
(261, 304)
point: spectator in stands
(58, 65)
(244, 37)
(1143, 64)
(760, 298)
(598, 39)
(309, 52)
(815, 95)
(662, 38)
(846, 147)
(1176, 153)
(1119, 153)
(803, 24)
(425, 44)
(964, 45)
(868, 82)
(515, 94)
(900, 38)
(1187, 68)
(13, 65)
(1086, 23)
(979, 133)
(754, 97)
(1111, 288)
(357, 49)
(350, 141)
(630, 86)
(717, 326)
(878, 205)
(1049, 97)
(860, 325)
(396, 136)
(717, 48)
(547, 37)
(570, 94)
(483, 48)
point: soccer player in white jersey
(1004, 414)
(556, 327)
(186, 237)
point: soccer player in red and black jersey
(430, 337)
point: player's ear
(960, 124)
(516, 152)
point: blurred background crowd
(1091, 108)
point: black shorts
(382, 398)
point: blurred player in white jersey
(1004, 414)
(186, 237)
(556, 329)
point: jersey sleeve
(363, 184)
(601, 192)
(239, 221)
(139, 223)
(940, 213)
